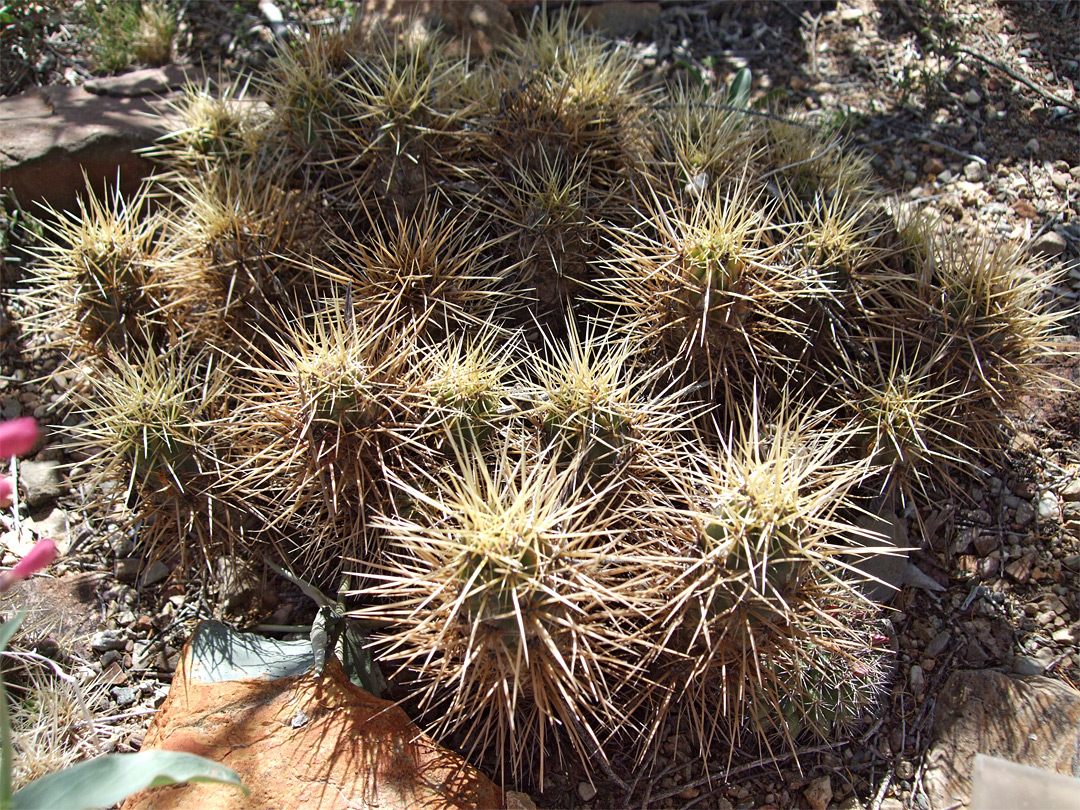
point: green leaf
(107, 780)
(358, 663)
(219, 653)
(8, 628)
(739, 92)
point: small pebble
(917, 679)
(1048, 505)
(1051, 245)
(938, 644)
(975, 171)
(1070, 635)
(107, 640)
(586, 791)
(1032, 146)
(124, 696)
(1025, 513)
(972, 97)
(155, 573)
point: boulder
(1028, 720)
(50, 136)
(307, 740)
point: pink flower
(38, 557)
(17, 437)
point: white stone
(1048, 505)
(975, 171)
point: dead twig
(1018, 77)
(879, 797)
(727, 774)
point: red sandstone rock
(50, 136)
(313, 741)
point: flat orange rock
(312, 741)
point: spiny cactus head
(433, 273)
(700, 140)
(466, 384)
(819, 688)
(215, 128)
(588, 401)
(101, 275)
(810, 163)
(507, 556)
(761, 540)
(838, 238)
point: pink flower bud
(39, 556)
(5, 492)
(17, 437)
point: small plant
(128, 31)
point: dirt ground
(966, 110)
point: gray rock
(124, 696)
(49, 136)
(11, 407)
(586, 791)
(887, 570)
(1070, 493)
(127, 568)
(40, 482)
(1067, 635)
(1028, 665)
(155, 573)
(621, 19)
(57, 525)
(1032, 721)
(985, 544)
(975, 171)
(108, 640)
(149, 82)
(1048, 505)
(819, 793)
(917, 680)
(938, 643)
(1051, 245)
(972, 97)
(1025, 513)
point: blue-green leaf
(739, 92)
(8, 628)
(107, 780)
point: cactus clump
(587, 384)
